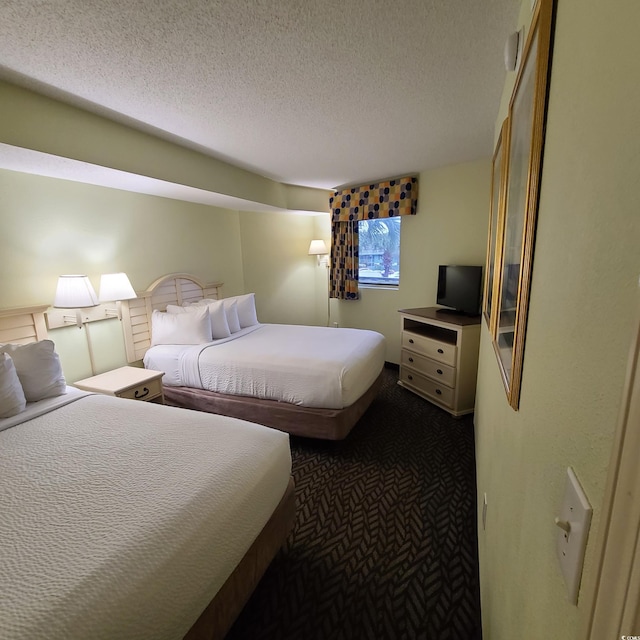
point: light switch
(573, 524)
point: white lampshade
(115, 286)
(318, 248)
(74, 292)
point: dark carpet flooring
(385, 540)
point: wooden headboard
(175, 288)
(23, 324)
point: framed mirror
(516, 203)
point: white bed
(309, 381)
(302, 365)
(126, 519)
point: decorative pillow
(12, 400)
(246, 309)
(217, 316)
(39, 369)
(180, 328)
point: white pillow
(39, 369)
(174, 308)
(12, 400)
(246, 309)
(217, 316)
(231, 309)
(180, 328)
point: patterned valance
(383, 200)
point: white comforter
(303, 365)
(122, 519)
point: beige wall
(49, 227)
(277, 266)
(449, 228)
(585, 276)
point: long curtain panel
(387, 199)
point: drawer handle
(410, 359)
(439, 371)
(410, 377)
(440, 351)
(410, 340)
(439, 392)
(139, 396)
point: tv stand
(439, 358)
(455, 312)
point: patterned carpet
(385, 541)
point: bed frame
(178, 288)
(27, 324)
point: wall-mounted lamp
(115, 287)
(319, 249)
(75, 292)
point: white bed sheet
(122, 519)
(303, 365)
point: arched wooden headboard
(175, 288)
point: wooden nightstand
(127, 382)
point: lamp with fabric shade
(115, 287)
(74, 292)
(319, 249)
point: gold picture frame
(496, 220)
(516, 205)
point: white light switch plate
(575, 515)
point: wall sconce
(74, 292)
(115, 287)
(319, 249)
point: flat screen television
(460, 289)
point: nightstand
(127, 382)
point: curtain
(382, 200)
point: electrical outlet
(574, 521)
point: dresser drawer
(439, 392)
(441, 351)
(144, 391)
(430, 368)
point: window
(379, 251)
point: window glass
(379, 251)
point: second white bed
(301, 365)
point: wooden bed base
(326, 424)
(219, 616)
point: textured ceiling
(320, 93)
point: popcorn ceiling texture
(323, 93)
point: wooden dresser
(439, 359)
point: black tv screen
(460, 288)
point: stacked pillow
(28, 373)
(186, 325)
(217, 316)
